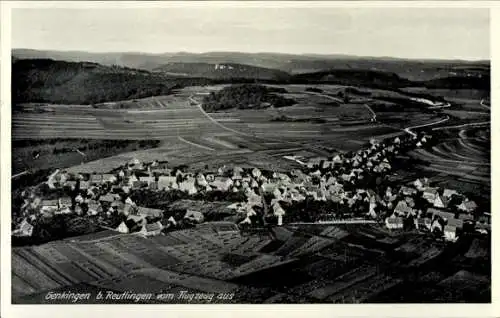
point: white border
(219, 311)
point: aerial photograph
(223, 154)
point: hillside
(222, 71)
(390, 81)
(46, 80)
(289, 63)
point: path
(198, 104)
(20, 174)
(463, 125)
(374, 115)
(195, 144)
(408, 129)
(348, 221)
(484, 105)
(438, 107)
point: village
(352, 186)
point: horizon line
(324, 55)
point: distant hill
(391, 81)
(222, 71)
(46, 80)
(354, 77)
(52, 81)
(289, 63)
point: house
(407, 191)
(71, 184)
(65, 203)
(194, 216)
(430, 194)
(49, 205)
(447, 193)
(25, 229)
(457, 223)
(155, 213)
(442, 214)
(95, 179)
(78, 209)
(151, 229)
(129, 201)
(188, 186)
(394, 223)
(201, 181)
(436, 226)
(94, 207)
(108, 198)
(140, 184)
(421, 183)
(131, 180)
(84, 185)
(134, 162)
(279, 213)
(167, 182)
(467, 206)
(466, 217)
(450, 233)
(256, 173)
(147, 179)
(422, 223)
(222, 183)
(385, 166)
(440, 201)
(128, 209)
(122, 228)
(108, 177)
(313, 162)
(402, 209)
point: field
(463, 158)
(314, 264)
(189, 135)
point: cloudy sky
(396, 32)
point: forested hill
(222, 71)
(246, 96)
(46, 80)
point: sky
(429, 33)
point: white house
(122, 228)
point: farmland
(187, 134)
(315, 268)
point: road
(408, 129)
(463, 125)
(198, 104)
(374, 115)
(348, 221)
(20, 174)
(438, 107)
(484, 105)
(195, 144)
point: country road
(408, 129)
(19, 174)
(463, 125)
(439, 107)
(484, 105)
(198, 104)
(374, 115)
(195, 144)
